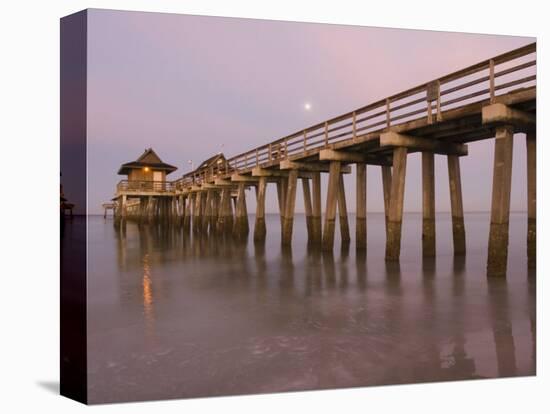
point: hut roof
(211, 161)
(150, 159)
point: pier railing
(145, 186)
(482, 82)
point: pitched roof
(211, 161)
(150, 159)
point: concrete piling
(308, 208)
(500, 203)
(259, 226)
(361, 207)
(393, 239)
(290, 202)
(330, 211)
(428, 204)
(457, 211)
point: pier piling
(330, 211)
(428, 204)
(290, 202)
(211, 199)
(259, 226)
(361, 207)
(500, 204)
(316, 207)
(393, 240)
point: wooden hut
(146, 170)
(145, 193)
(214, 164)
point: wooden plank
(355, 157)
(310, 166)
(422, 144)
(238, 178)
(501, 114)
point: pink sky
(185, 85)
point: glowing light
(146, 169)
(307, 106)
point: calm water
(175, 317)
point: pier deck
(490, 100)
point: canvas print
(253, 206)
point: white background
(29, 265)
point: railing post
(432, 94)
(388, 119)
(305, 140)
(326, 133)
(492, 80)
(269, 156)
(438, 103)
(354, 126)
(257, 158)
(286, 148)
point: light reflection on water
(174, 316)
(148, 296)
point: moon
(307, 106)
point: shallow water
(171, 316)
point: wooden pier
(491, 100)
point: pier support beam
(386, 189)
(188, 202)
(225, 220)
(500, 204)
(316, 208)
(457, 211)
(197, 214)
(531, 199)
(208, 210)
(308, 208)
(361, 208)
(330, 212)
(124, 210)
(259, 226)
(215, 210)
(204, 218)
(181, 210)
(428, 204)
(241, 219)
(150, 212)
(393, 240)
(282, 184)
(343, 212)
(290, 202)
